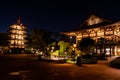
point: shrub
(115, 63)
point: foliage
(87, 45)
(78, 52)
(53, 43)
(63, 45)
(39, 39)
(101, 42)
(115, 63)
(69, 50)
(4, 39)
(55, 53)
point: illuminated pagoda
(17, 35)
(97, 27)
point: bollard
(79, 61)
(39, 57)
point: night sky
(56, 16)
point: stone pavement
(24, 68)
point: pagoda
(17, 35)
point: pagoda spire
(19, 21)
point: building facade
(99, 29)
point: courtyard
(29, 68)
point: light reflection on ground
(22, 75)
(31, 69)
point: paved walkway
(31, 69)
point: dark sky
(55, 15)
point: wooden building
(98, 29)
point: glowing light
(118, 49)
(53, 48)
(17, 35)
(108, 32)
(14, 73)
(70, 37)
(74, 45)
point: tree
(39, 39)
(63, 45)
(101, 44)
(4, 39)
(87, 45)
